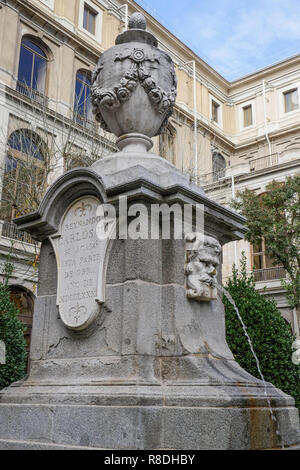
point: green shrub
(12, 334)
(270, 335)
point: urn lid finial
(136, 31)
(137, 21)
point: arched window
(82, 105)
(24, 181)
(32, 69)
(27, 143)
(219, 165)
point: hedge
(271, 336)
(12, 334)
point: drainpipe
(181, 67)
(125, 6)
(265, 118)
(235, 242)
(195, 122)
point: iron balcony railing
(11, 231)
(220, 176)
(211, 178)
(269, 274)
(263, 162)
(32, 93)
(86, 123)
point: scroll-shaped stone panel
(81, 263)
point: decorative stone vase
(134, 86)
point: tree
(41, 148)
(36, 150)
(270, 335)
(275, 217)
(12, 334)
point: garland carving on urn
(140, 59)
(113, 98)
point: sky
(235, 37)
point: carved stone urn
(134, 86)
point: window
(219, 166)
(263, 265)
(291, 100)
(26, 143)
(24, 181)
(247, 112)
(82, 105)
(215, 111)
(32, 69)
(89, 19)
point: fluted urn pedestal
(128, 341)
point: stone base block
(134, 419)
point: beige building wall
(57, 25)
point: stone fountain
(128, 342)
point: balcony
(86, 123)
(211, 178)
(263, 162)
(240, 169)
(269, 274)
(31, 93)
(11, 231)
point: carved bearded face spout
(201, 269)
(207, 267)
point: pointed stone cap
(137, 32)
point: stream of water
(273, 417)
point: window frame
(244, 108)
(281, 91)
(218, 171)
(98, 20)
(287, 92)
(266, 273)
(213, 99)
(215, 114)
(19, 157)
(34, 54)
(88, 112)
(240, 115)
(90, 13)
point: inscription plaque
(81, 264)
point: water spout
(273, 417)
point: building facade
(226, 135)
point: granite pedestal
(152, 370)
